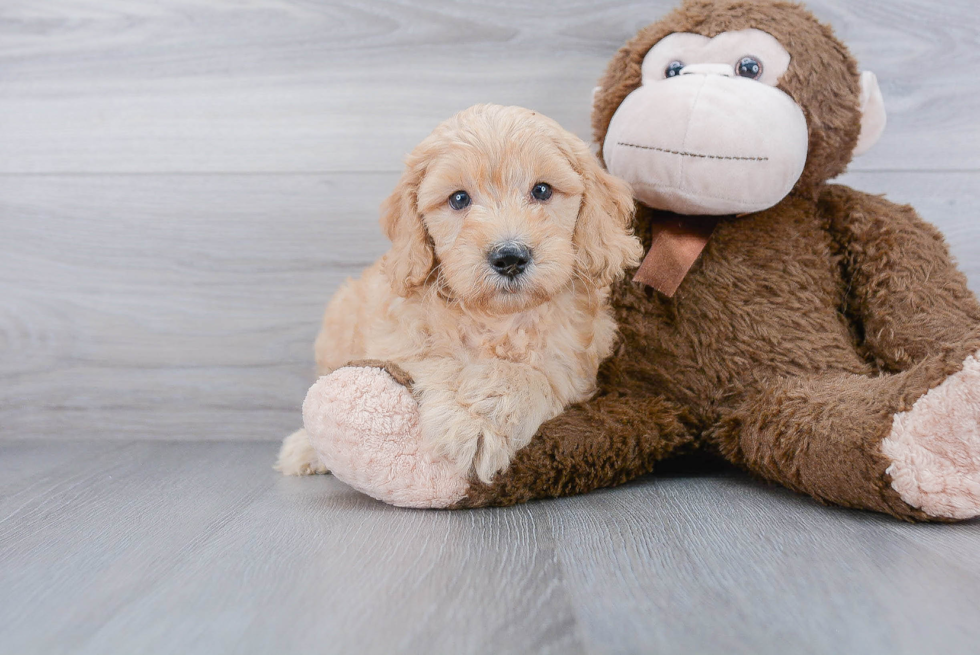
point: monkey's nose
(510, 259)
(708, 69)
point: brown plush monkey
(814, 335)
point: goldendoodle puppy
(506, 234)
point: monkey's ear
(873, 116)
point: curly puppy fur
(491, 357)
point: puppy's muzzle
(509, 259)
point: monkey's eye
(541, 191)
(673, 69)
(749, 67)
(459, 200)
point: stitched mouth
(696, 155)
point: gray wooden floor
(162, 547)
(183, 183)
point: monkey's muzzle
(708, 143)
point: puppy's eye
(673, 69)
(541, 191)
(749, 67)
(459, 200)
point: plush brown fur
(797, 336)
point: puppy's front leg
(478, 415)
(448, 428)
(511, 402)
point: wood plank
(171, 307)
(25, 463)
(81, 546)
(202, 548)
(288, 85)
(724, 564)
(184, 307)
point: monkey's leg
(906, 444)
(364, 423)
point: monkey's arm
(602, 442)
(903, 289)
(363, 423)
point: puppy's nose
(510, 259)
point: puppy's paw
(509, 416)
(484, 415)
(365, 427)
(935, 448)
(297, 456)
(493, 455)
(449, 431)
(502, 432)
(469, 437)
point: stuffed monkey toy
(814, 335)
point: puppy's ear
(409, 261)
(603, 234)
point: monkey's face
(708, 132)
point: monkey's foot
(935, 448)
(365, 427)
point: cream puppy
(506, 234)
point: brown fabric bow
(677, 242)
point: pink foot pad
(935, 448)
(365, 428)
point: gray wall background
(183, 184)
